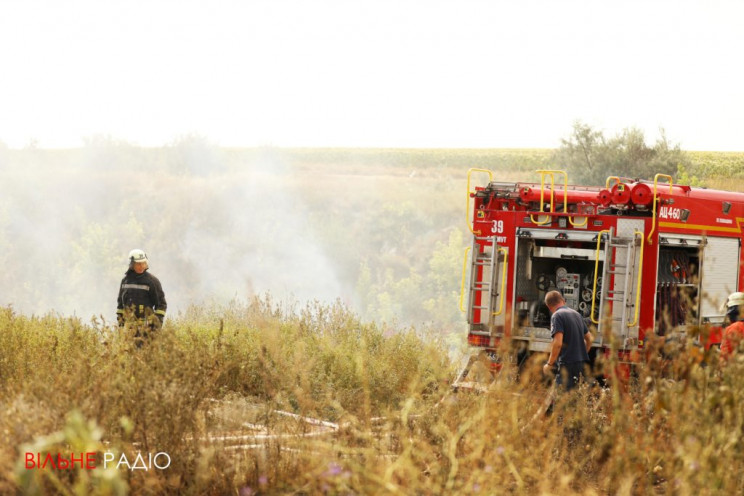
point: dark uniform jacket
(140, 296)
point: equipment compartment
(545, 265)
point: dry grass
(318, 361)
(260, 399)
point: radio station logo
(92, 460)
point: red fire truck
(635, 258)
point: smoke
(248, 234)
(217, 225)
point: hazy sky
(394, 73)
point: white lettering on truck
(669, 213)
(498, 227)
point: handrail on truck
(653, 210)
(544, 173)
(607, 182)
(596, 272)
(462, 285)
(570, 220)
(467, 197)
(552, 173)
(503, 281)
(638, 284)
(552, 184)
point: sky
(400, 73)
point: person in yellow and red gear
(141, 303)
(734, 333)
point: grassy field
(260, 399)
(99, 393)
(347, 394)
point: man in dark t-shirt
(571, 342)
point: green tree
(590, 157)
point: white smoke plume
(217, 225)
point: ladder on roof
(487, 284)
(618, 288)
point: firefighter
(141, 304)
(569, 353)
(734, 333)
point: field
(258, 399)
(312, 339)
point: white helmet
(735, 299)
(137, 255)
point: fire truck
(636, 258)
